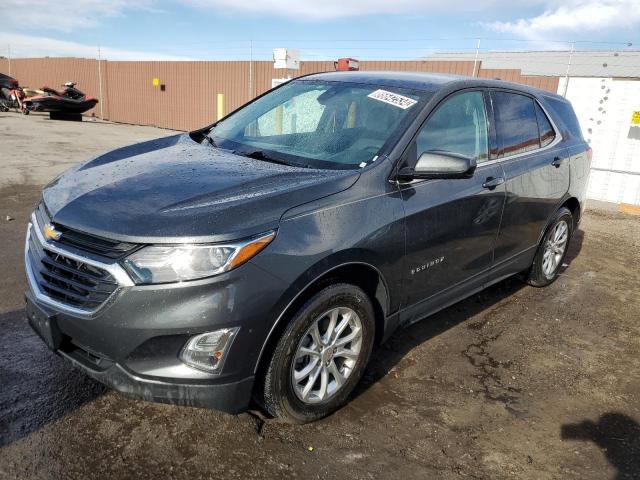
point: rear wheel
(321, 355)
(552, 250)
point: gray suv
(257, 261)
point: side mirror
(438, 164)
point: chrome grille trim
(121, 277)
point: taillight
(589, 153)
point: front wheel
(321, 355)
(552, 250)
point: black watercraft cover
(7, 82)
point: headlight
(176, 263)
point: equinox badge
(429, 264)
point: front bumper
(231, 397)
(133, 341)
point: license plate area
(44, 325)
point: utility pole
(475, 60)
(566, 75)
(9, 57)
(100, 82)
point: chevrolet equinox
(258, 260)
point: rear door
(536, 173)
(452, 224)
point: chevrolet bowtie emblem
(50, 232)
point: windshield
(319, 124)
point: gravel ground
(515, 382)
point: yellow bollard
(220, 104)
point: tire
(282, 396)
(548, 260)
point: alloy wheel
(326, 355)
(555, 246)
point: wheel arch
(570, 203)
(573, 205)
(358, 273)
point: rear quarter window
(564, 111)
(547, 134)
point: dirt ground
(515, 382)
(35, 149)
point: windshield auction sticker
(394, 99)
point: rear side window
(547, 134)
(565, 111)
(516, 123)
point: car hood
(175, 190)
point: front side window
(516, 123)
(320, 124)
(459, 125)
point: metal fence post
(100, 83)
(250, 70)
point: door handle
(557, 161)
(492, 182)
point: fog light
(207, 351)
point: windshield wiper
(211, 141)
(260, 155)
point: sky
(320, 29)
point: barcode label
(394, 99)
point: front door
(451, 225)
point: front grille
(111, 249)
(66, 280)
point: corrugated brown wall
(191, 88)
(510, 75)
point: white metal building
(605, 108)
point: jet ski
(70, 100)
(32, 92)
